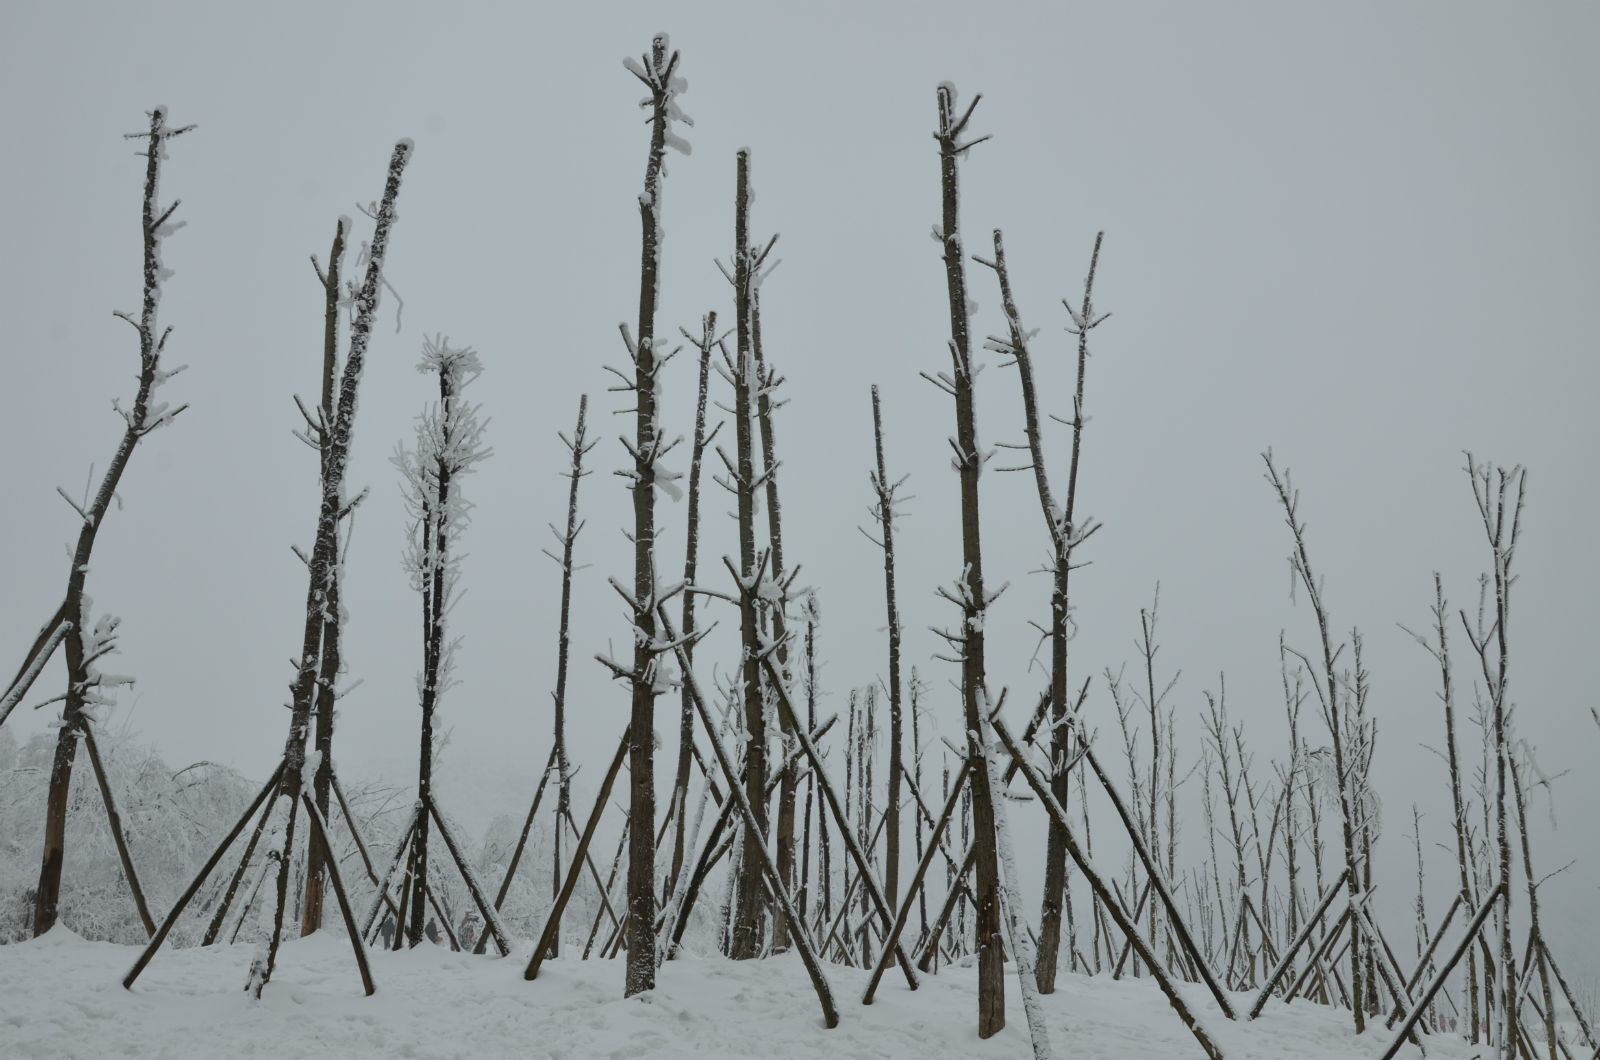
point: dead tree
(287, 783)
(1492, 489)
(748, 933)
(1333, 697)
(767, 383)
(884, 512)
(968, 592)
(1065, 536)
(88, 640)
(449, 445)
(1441, 654)
(578, 446)
(658, 72)
(691, 560)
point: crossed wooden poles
(319, 834)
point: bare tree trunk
(85, 685)
(659, 75)
(1535, 930)
(324, 558)
(578, 445)
(691, 561)
(1333, 714)
(1458, 809)
(1491, 488)
(767, 381)
(884, 492)
(327, 680)
(969, 593)
(916, 772)
(1065, 536)
(749, 912)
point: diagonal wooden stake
(552, 924)
(226, 902)
(491, 918)
(1421, 1004)
(114, 819)
(798, 935)
(792, 720)
(1311, 923)
(928, 854)
(320, 828)
(1108, 901)
(200, 878)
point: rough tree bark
(748, 932)
(327, 680)
(691, 562)
(84, 646)
(1065, 536)
(659, 75)
(969, 593)
(324, 554)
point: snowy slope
(60, 996)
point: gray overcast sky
(1361, 234)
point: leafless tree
(884, 512)
(87, 639)
(333, 622)
(1334, 696)
(748, 259)
(704, 342)
(1494, 489)
(1066, 534)
(658, 72)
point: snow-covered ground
(60, 996)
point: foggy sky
(1364, 236)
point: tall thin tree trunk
(1332, 701)
(661, 79)
(1064, 537)
(749, 912)
(767, 380)
(83, 645)
(885, 490)
(327, 681)
(691, 562)
(969, 591)
(324, 557)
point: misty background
(1364, 236)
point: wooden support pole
(1421, 1003)
(114, 819)
(320, 829)
(798, 935)
(491, 917)
(916, 882)
(1317, 955)
(226, 902)
(1109, 901)
(1306, 929)
(794, 724)
(211, 863)
(552, 925)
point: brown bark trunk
(641, 914)
(970, 586)
(47, 894)
(749, 913)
